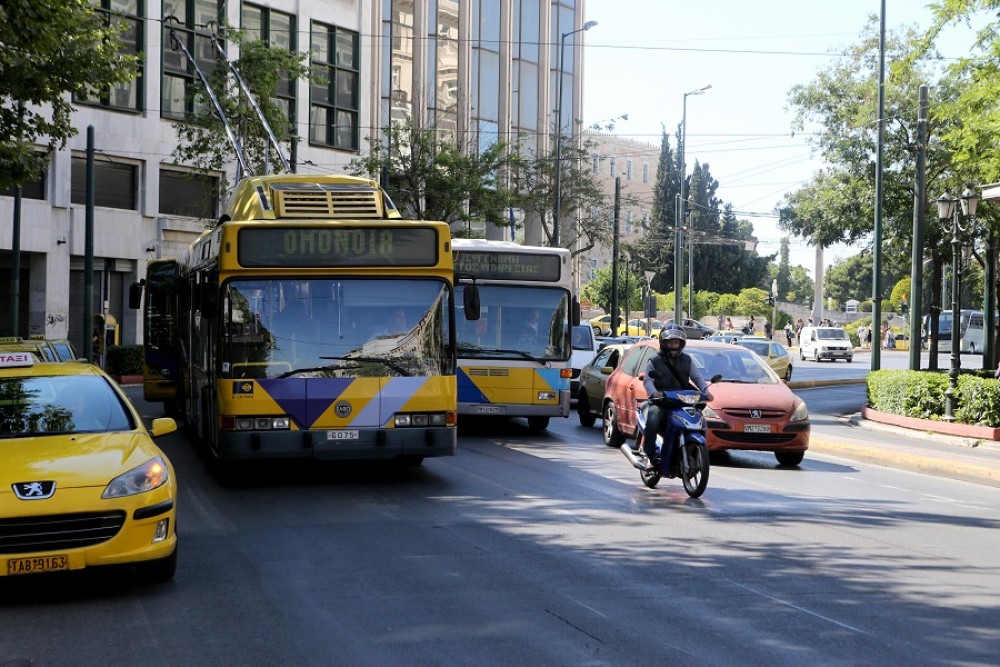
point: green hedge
(921, 394)
(124, 360)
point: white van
(584, 348)
(825, 343)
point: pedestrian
(997, 373)
(751, 325)
(767, 328)
(861, 336)
(729, 324)
(868, 337)
(789, 334)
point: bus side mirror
(576, 312)
(470, 300)
(135, 295)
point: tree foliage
(49, 50)
(431, 178)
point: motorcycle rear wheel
(694, 469)
(650, 477)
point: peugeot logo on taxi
(343, 409)
(755, 414)
(34, 490)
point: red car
(751, 407)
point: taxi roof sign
(16, 359)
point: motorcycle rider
(671, 369)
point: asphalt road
(542, 550)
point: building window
(335, 93)
(595, 163)
(613, 165)
(278, 30)
(115, 183)
(188, 194)
(645, 172)
(127, 94)
(179, 80)
(628, 222)
(628, 169)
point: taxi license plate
(342, 435)
(489, 410)
(37, 564)
(756, 428)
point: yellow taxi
(638, 327)
(772, 352)
(39, 348)
(81, 482)
(602, 325)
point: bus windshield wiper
(380, 360)
(313, 369)
(522, 353)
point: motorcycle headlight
(801, 413)
(150, 475)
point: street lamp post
(948, 208)
(557, 212)
(681, 169)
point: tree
(434, 179)
(840, 107)
(202, 140)
(50, 50)
(533, 177)
(599, 290)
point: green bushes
(921, 394)
(124, 360)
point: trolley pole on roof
(175, 44)
(256, 107)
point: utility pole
(917, 253)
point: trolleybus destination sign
(508, 265)
(325, 247)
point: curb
(958, 470)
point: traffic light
(770, 300)
(902, 305)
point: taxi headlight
(150, 475)
(801, 413)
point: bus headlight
(242, 423)
(546, 395)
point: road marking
(802, 609)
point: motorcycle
(681, 450)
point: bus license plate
(489, 410)
(756, 428)
(341, 435)
(37, 564)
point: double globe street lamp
(948, 209)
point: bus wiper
(522, 353)
(313, 369)
(381, 360)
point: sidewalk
(955, 457)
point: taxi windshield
(48, 405)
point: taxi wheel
(160, 571)
(587, 418)
(612, 436)
(789, 458)
(788, 373)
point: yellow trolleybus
(311, 322)
(514, 360)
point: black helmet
(672, 332)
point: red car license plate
(37, 564)
(756, 428)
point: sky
(643, 55)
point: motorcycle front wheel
(694, 468)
